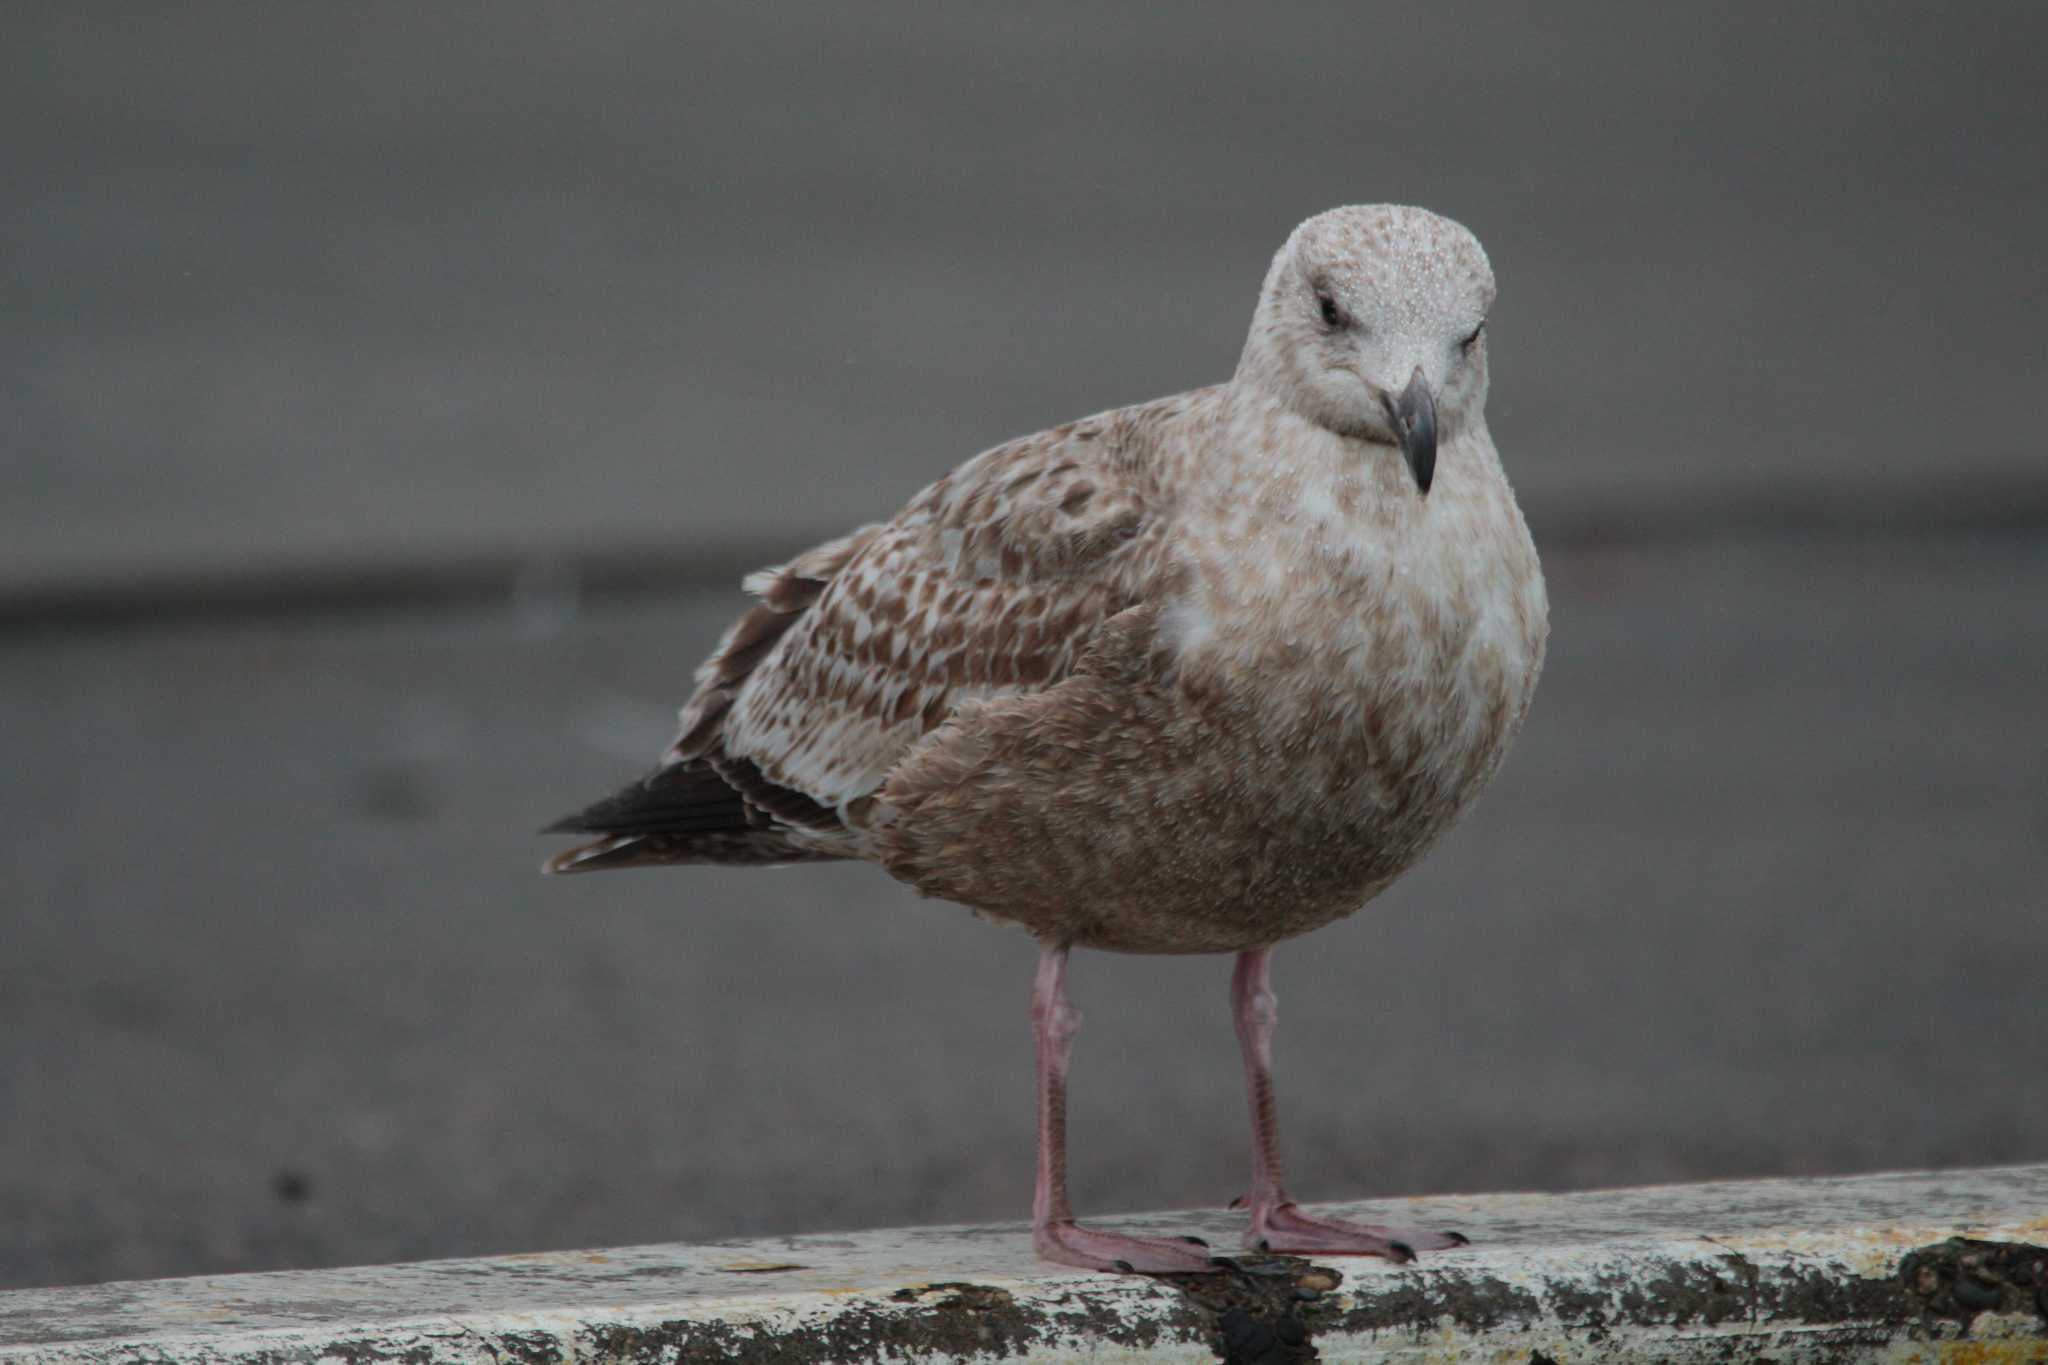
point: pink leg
(1054, 1233)
(1278, 1224)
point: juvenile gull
(1194, 676)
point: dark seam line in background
(579, 576)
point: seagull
(1193, 676)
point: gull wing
(990, 583)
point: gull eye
(1469, 342)
(1333, 316)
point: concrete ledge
(1912, 1267)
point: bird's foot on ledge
(1071, 1244)
(1285, 1228)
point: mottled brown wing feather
(987, 584)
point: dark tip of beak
(1414, 413)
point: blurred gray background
(392, 395)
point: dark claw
(1236, 1203)
(1403, 1253)
(1226, 1263)
(1265, 1245)
(1124, 1266)
(1459, 1238)
(1195, 1241)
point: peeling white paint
(1739, 1271)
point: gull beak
(1414, 414)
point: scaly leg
(1054, 1233)
(1278, 1224)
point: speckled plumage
(1193, 676)
(1189, 676)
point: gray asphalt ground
(305, 301)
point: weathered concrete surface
(1868, 1268)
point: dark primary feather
(716, 810)
(683, 798)
(712, 795)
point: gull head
(1372, 324)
